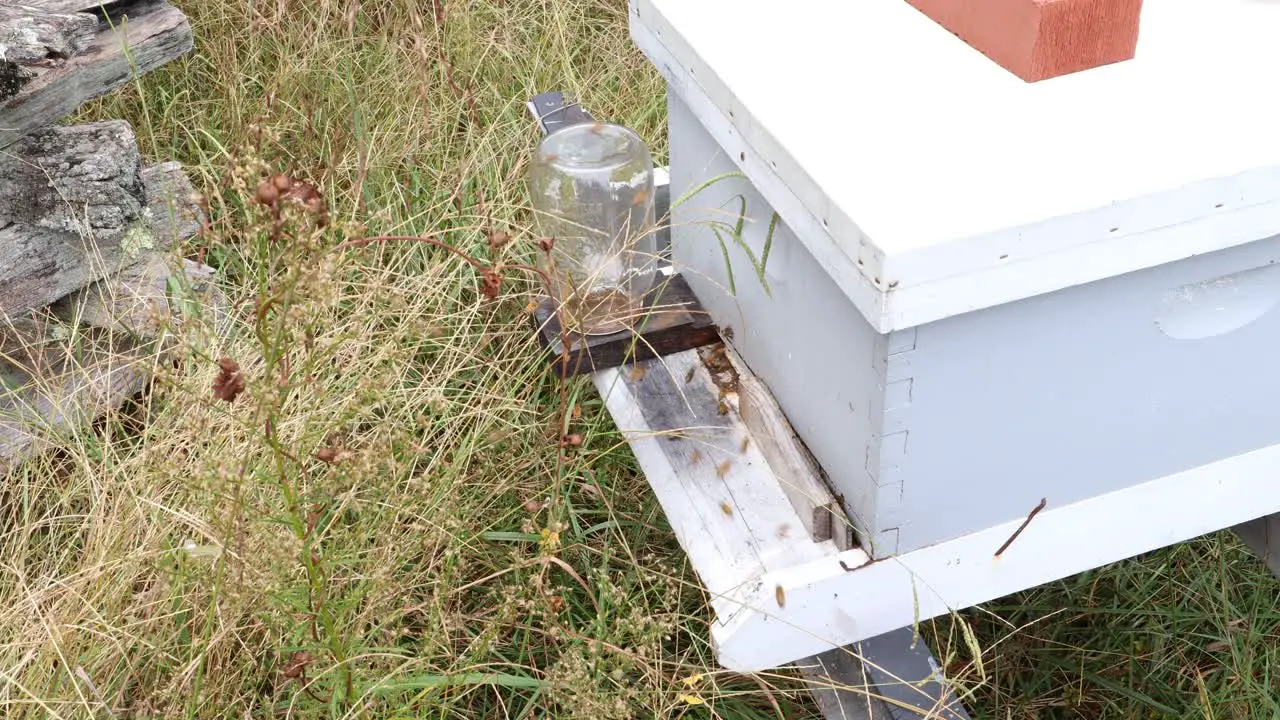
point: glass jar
(591, 187)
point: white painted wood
(827, 606)
(723, 502)
(1077, 393)
(942, 184)
(939, 430)
(842, 267)
(1062, 290)
(817, 356)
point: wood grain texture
(720, 496)
(1041, 39)
(673, 322)
(69, 6)
(839, 684)
(136, 298)
(173, 205)
(70, 213)
(64, 385)
(30, 35)
(797, 471)
(1263, 538)
(154, 33)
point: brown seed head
(491, 284)
(297, 664)
(267, 193)
(229, 383)
(497, 239)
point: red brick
(1040, 39)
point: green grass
(190, 558)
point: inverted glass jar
(591, 186)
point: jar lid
(592, 146)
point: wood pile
(87, 287)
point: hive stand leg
(1263, 538)
(888, 677)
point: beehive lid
(937, 183)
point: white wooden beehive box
(982, 293)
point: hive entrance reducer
(591, 187)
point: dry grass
(382, 524)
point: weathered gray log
(69, 6)
(153, 32)
(173, 207)
(31, 35)
(136, 299)
(78, 379)
(140, 299)
(19, 338)
(71, 212)
(56, 377)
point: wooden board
(173, 208)
(49, 397)
(798, 473)
(136, 299)
(847, 597)
(889, 677)
(142, 35)
(64, 369)
(724, 503)
(71, 212)
(727, 503)
(31, 34)
(1041, 39)
(929, 182)
(673, 321)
